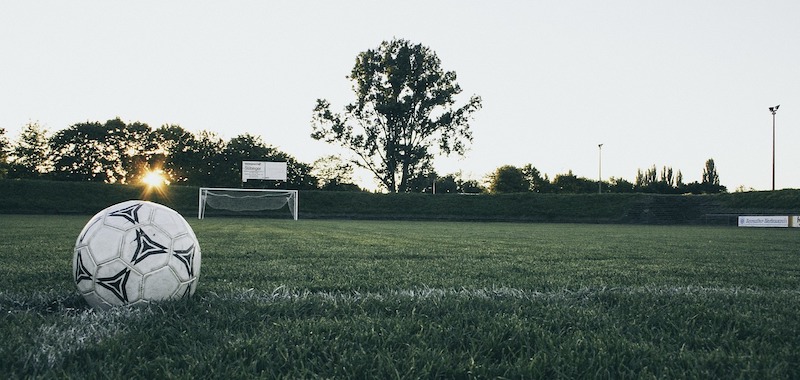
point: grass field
(387, 299)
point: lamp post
(599, 168)
(773, 110)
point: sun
(154, 179)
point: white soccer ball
(136, 252)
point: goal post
(239, 200)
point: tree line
(511, 179)
(116, 152)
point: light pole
(599, 168)
(773, 110)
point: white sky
(665, 83)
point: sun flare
(154, 179)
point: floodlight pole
(599, 168)
(773, 110)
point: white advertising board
(275, 171)
(794, 221)
(763, 221)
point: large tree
(112, 152)
(82, 153)
(134, 146)
(31, 153)
(508, 179)
(405, 112)
(710, 182)
(175, 152)
(203, 160)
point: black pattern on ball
(186, 256)
(145, 246)
(81, 273)
(116, 284)
(131, 213)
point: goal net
(246, 200)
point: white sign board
(794, 221)
(275, 171)
(763, 221)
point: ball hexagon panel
(170, 221)
(160, 284)
(91, 226)
(104, 244)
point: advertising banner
(763, 221)
(275, 171)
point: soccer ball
(136, 252)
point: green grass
(385, 299)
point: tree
(536, 182)
(470, 186)
(403, 114)
(710, 182)
(448, 184)
(665, 183)
(333, 173)
(174, 152)
(30, 156)
(620, 185)
(455, 183)
(112, 152)
(81, 153)
(710, 176)
(572, 184)
(134, 148)
(4, 148)
(203, 159)
(508, 179)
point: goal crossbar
(234, 199)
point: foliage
(710, 176)
(82, 153)
(403, 114)
(508, 179)
(572, 184)
(333, 173)
(350, 299)
(4, 149)
(116, 152)
(112, 152)
(30, 155)
(650, 182)
(619, 185)
(536, 182)
(176, 153)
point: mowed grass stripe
(356, 299)
(494, 329)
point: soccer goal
(240, 200)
